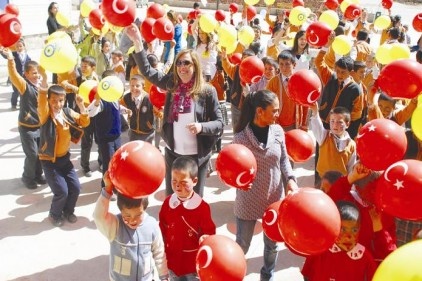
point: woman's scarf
(181, 101)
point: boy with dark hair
(135, 238)
(339, 89)
(28, 120)
(184, 220)
(346, 259)
(292, 115)
(337, 151)
(59, 126)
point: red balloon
(332, 4)
(250, 12)
(233, 8)
(235, 58)
(220, 258)
(157, 96)
(417, 22)
(192, 15)
(10, 30)
(236, 166)
(318, 34)
(309, 221)
(220, 15)
(352, 12)
(300, 145)
(146, 29)
(296, 3)
(401, 79)
(270, 222)
(251, 69)
(399, 190)
(163, 29)
(137, 169)
(380, 143)
(156, 11)
(386, 4)
(12, 9)
(304, 87)
(96, 19)
(119, 12)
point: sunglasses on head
(183, 62)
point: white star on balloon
(371, 128)
(399, 184)
(124, 155)
(252, 171)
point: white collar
(190, 204)
(355, 254)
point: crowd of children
(51, 117)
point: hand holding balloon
(359, 172)
(376, 219)
(292, 186)
(108, 184)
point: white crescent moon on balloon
(117, 10)
(419, 16)
(274, 219)
(139, 146)
(360, 135)
(356, 12)
(168, 27)
(313, 42)
(208, 252)
(102, 20)
(238, 182)
(311, 100)
(13, 28)
(401, 164)
(255, 79)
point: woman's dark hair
(262, 99)
(130, 203)
(51, 7)
(295, 48)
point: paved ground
(32, 249)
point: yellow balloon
(58, 35)
(404, 264)
(227, 34)
(416, 121)
(382, 22)
(246, 35)
(58, 56)
(115, 29)
(105, 28)
(400, 51)
(330, 18)
(291, 41)
(96, 31)
(420, 100)
(207, 23)
(130, 50)
(111, 88)
(298, 15)
(383, 54)
(251, 2)
(345, 4)
(88, 88)
(230, 48)
(269, 2)
(342, 45)
(86, 7)
(62, 19)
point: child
(103, 59)
(28, 120)
(328, 179)
(107, 125)
(184, 219)
(141, 119)
(117, 65)
(346, 259)
(21, 58)
(59, 126)
(134, 236)
(337, 151)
